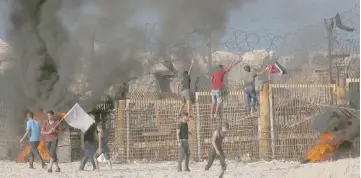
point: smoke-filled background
(64, 50)
(67, 51)
(56, 43)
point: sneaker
(57, 169)
(50, 171)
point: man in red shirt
(51, 131)
(217, 86)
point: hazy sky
(279, 16)
(264, 16)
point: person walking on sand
(89, 147)
(249, 89)
(216, 147)
(51, 130)
(182, 138)
(33, 130)
(217, 87)
(102, 145)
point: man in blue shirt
(33, 129)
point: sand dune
(346, 168)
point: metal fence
(292, 106)
(144, 127)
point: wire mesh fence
(292, 107)
(145, 129)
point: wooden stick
(190, 67)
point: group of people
(51, 130)
(217, 94)
(214, 150)
(217, 91)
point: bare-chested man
(216, 147)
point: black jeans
(52, 147)
(212, 155)
(34, 152)
(183, 152)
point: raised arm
(190, 67)
(262, 72)
(231, 65)
(178, 83)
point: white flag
(78, 118)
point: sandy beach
(346, 168)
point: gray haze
(63, 33)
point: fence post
(121, 128)
(193, 136)
(341, 91)
(273, 144)
(265, 136)
(198, 120)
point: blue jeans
(250, 96)
(34, 148)
(217, 96)
(34, 152)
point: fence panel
(151, 126)
(242, 135)
(292, 107)
(353, 86)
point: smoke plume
(57, 43)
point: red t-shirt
(54, 135)
(217, 79)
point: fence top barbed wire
(241, 41)
(298, 45)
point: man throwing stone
(216, 147)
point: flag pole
(65, 115)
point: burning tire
(339, 128)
